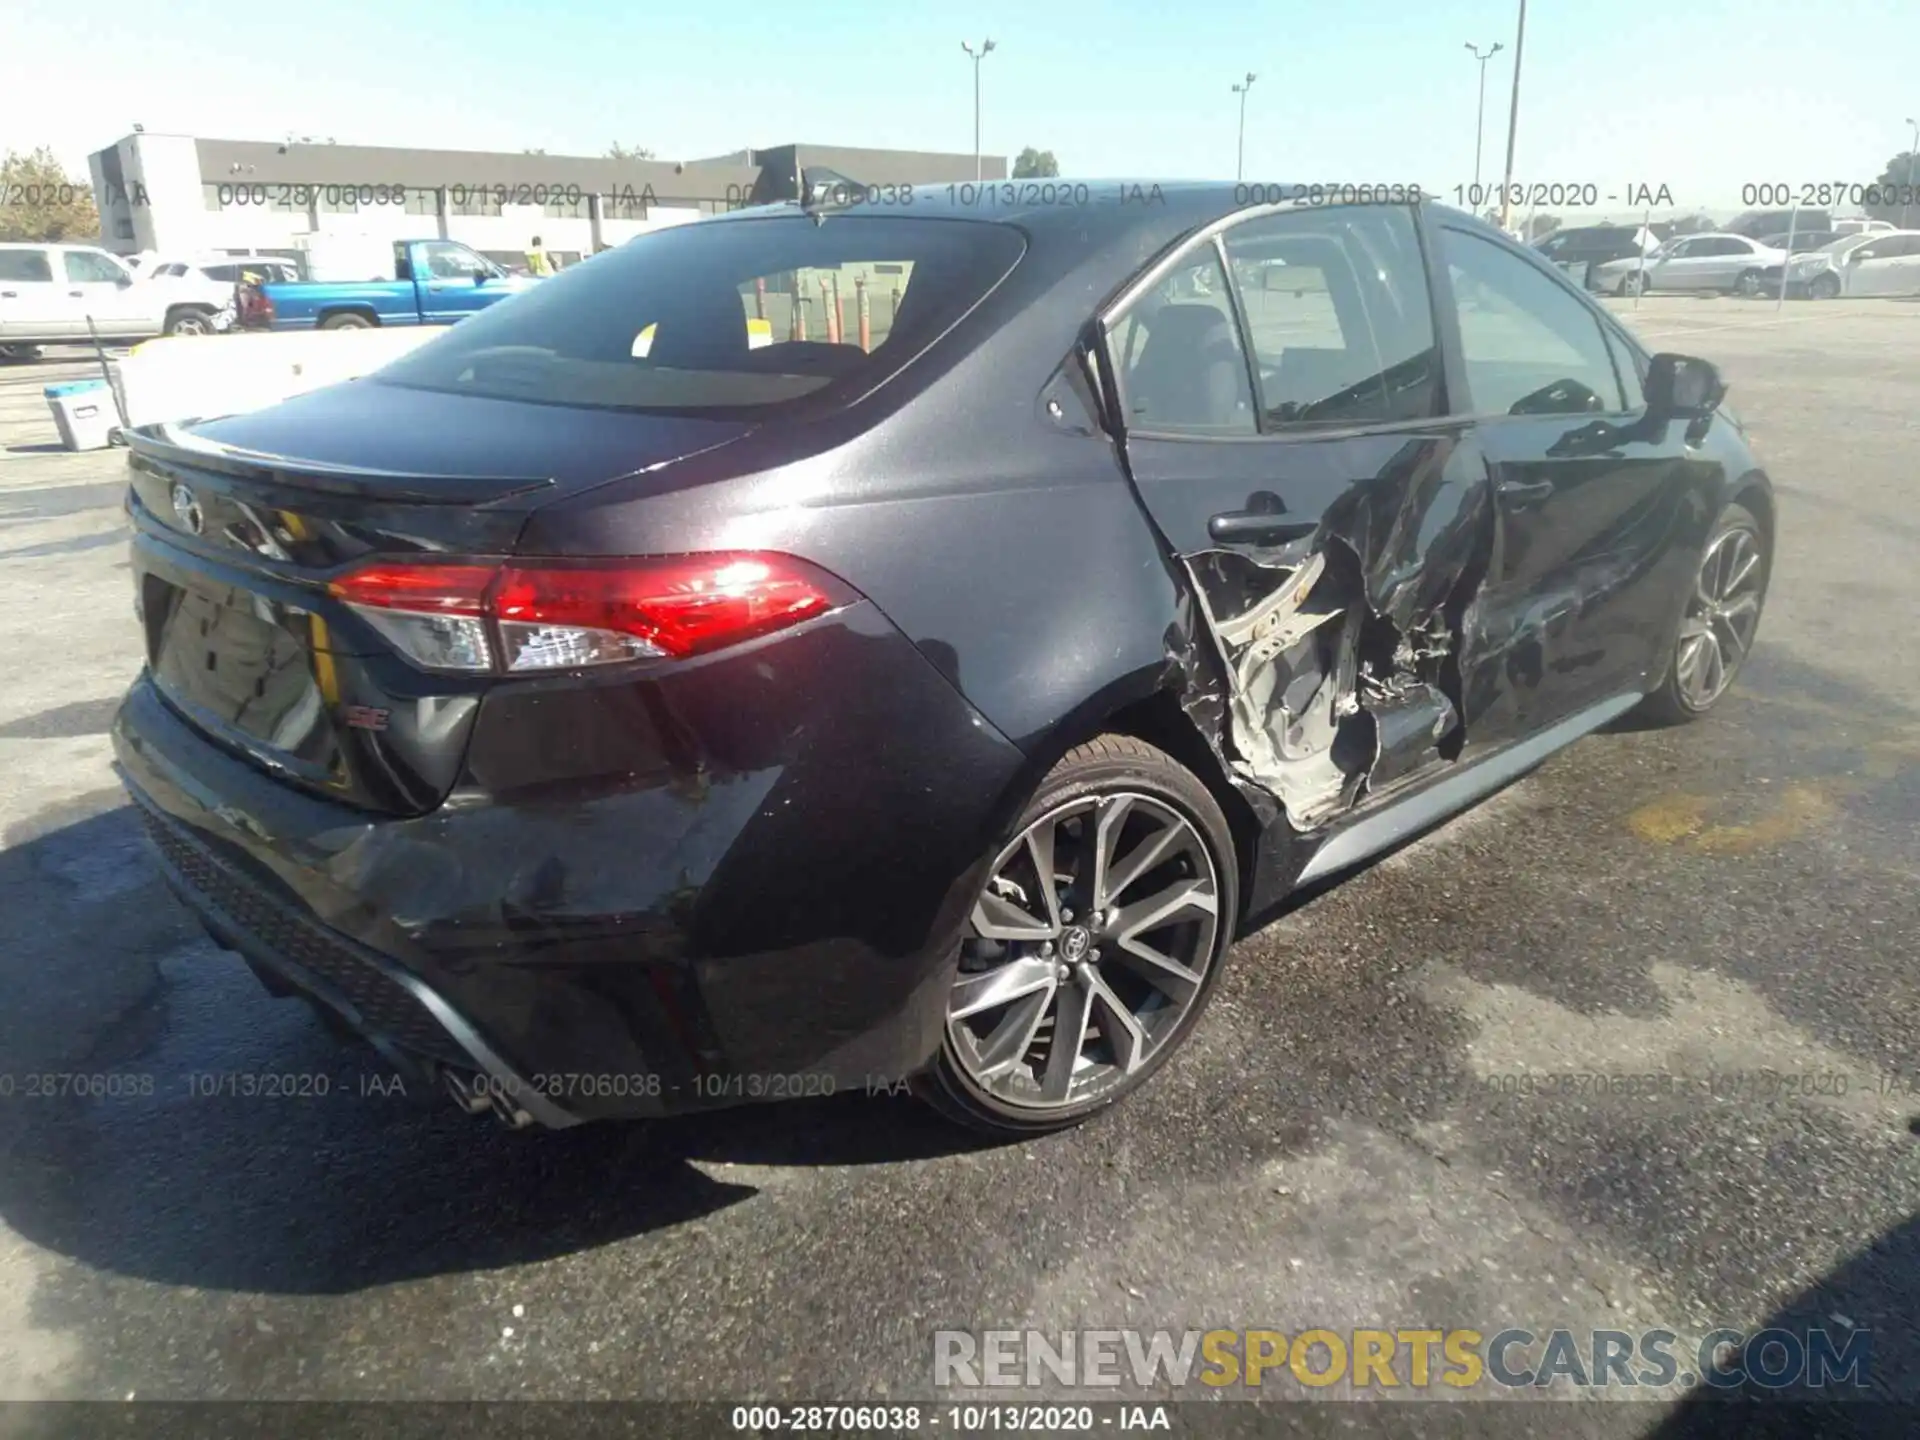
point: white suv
(200, 293)
(49, 293)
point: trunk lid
(240, 523)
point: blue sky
(1703, 96)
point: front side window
(1338, 316)
(84, 267)
(1177, 351)
(1531, 346)
(675, 321)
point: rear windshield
(727, 317)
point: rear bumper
(670, 923)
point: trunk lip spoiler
(171, 444)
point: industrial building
(183, 195)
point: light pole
(1513, 119)
(1906, 203)
(1480, 118)
(985, 50)
(1240, 151)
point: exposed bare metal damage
(1342, 649)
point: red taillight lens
(679, 607)
(559, 614)
(441, 589)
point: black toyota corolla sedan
(839, 644)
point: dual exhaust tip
(479, 1094)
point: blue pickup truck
(436, 282)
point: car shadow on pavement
(1864, 1308)
(162, 1117)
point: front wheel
(1094, 946)
(1635, 283)
(1824, 287)
(1718, 623)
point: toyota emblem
(186, 509)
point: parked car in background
(49, 293)
(1727, 263)
(1585, 246)
(436, 282)
(1860, 225)
(1803, 242)
(606, 734)
(200, 293)
(1880, 262)
(1755, 223)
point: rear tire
(1718, 622)
(1748, 284)
(1141, 859)
(346, 320)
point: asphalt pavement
(1348, 1140)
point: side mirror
(1683, 387)
(480, 277)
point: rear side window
(1531, 346)
(728, 317)
(1339, 316)
(24, 265)
(1177, 349)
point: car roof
(1080, 219)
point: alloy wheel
(1721, 618)
(1089, 946)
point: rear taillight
(525, 615)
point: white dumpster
(83, 411)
